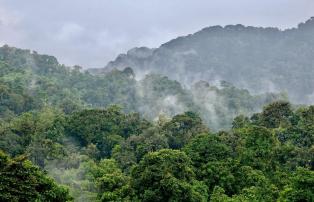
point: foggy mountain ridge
(29, 80)
(258, 59)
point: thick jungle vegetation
(71, 135)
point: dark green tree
(300, 188)
(167, 175)
(22, 181)
(104, 128)
(276, 114)
(182, 128)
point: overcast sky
(92, 32)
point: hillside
(254, 58)
(68, 135)
(30, 81)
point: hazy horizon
(92, 33)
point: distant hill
(257, 59)
(30, 81)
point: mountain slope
(30, 81)
(258, 59)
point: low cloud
(91, 33)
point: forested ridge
(67, 134)
(255, 58)
(30, 81)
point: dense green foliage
(167, 175)
(104, 128)
(22, 181)
(107, 155)
(163, 144)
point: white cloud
(9, 26)
(8, 18)
(69, 31)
